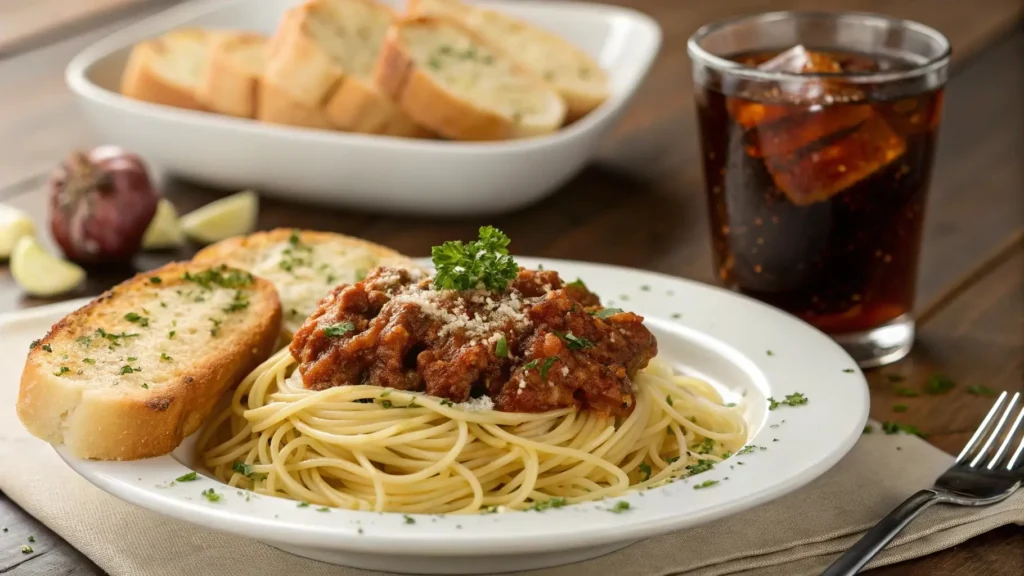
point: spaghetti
(373, 448)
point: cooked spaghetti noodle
(373, 448)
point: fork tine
(1020, 447)
(1009, 435)
(981, 429)
(996, 432)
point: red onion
(100, 205)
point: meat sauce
(540, 345)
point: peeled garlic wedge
(164, 231)
(40, 273)
(231, 216)
(13, 225)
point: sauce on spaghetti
(539, 345)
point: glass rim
(699, 54)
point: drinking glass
(818, 133)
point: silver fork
(968, 482)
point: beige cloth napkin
(796, 535)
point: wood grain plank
(39, 121)
(50, 554)
(977, 340)
(24, 23)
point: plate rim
(118, 479)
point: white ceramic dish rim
(840, 409)
(76, 78)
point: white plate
(718, 335)
(353, 170)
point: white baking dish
(381, 173)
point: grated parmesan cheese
(481, 404)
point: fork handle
(875, 539)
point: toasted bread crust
(296, 65)
(579, 102)
(275, 106)
(225, 250)
(357, 106)
(428, 102)
(122, 423)
(142, 80)
(229, 87)
(300, 70)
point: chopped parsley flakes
(546, 504)
(239, 302)
(548, 362)
(645, 471)
(191, 476)
(339, 329)
(135, 318)
(246, 470)
(211, 495)
(62, 371)
(700, 467)
(221, 276)
(409, 519)
(619, 507)
(706, 446)
(605, 313)
(575, 342)
(705, 484)
(794, 399)
(896, 428)
(939, 384)
(501, 348)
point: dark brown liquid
(817, 206)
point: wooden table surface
(640, 204)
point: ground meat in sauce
(393, 330)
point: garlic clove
(14, 224)
(233, 215)
(164, 231)
(40, 273)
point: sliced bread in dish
(167, 70)
(303, 265)
(450, 80)
(138, 369)
(234, 66)
(322, 58)
(578, 78)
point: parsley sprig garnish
(481, 263)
